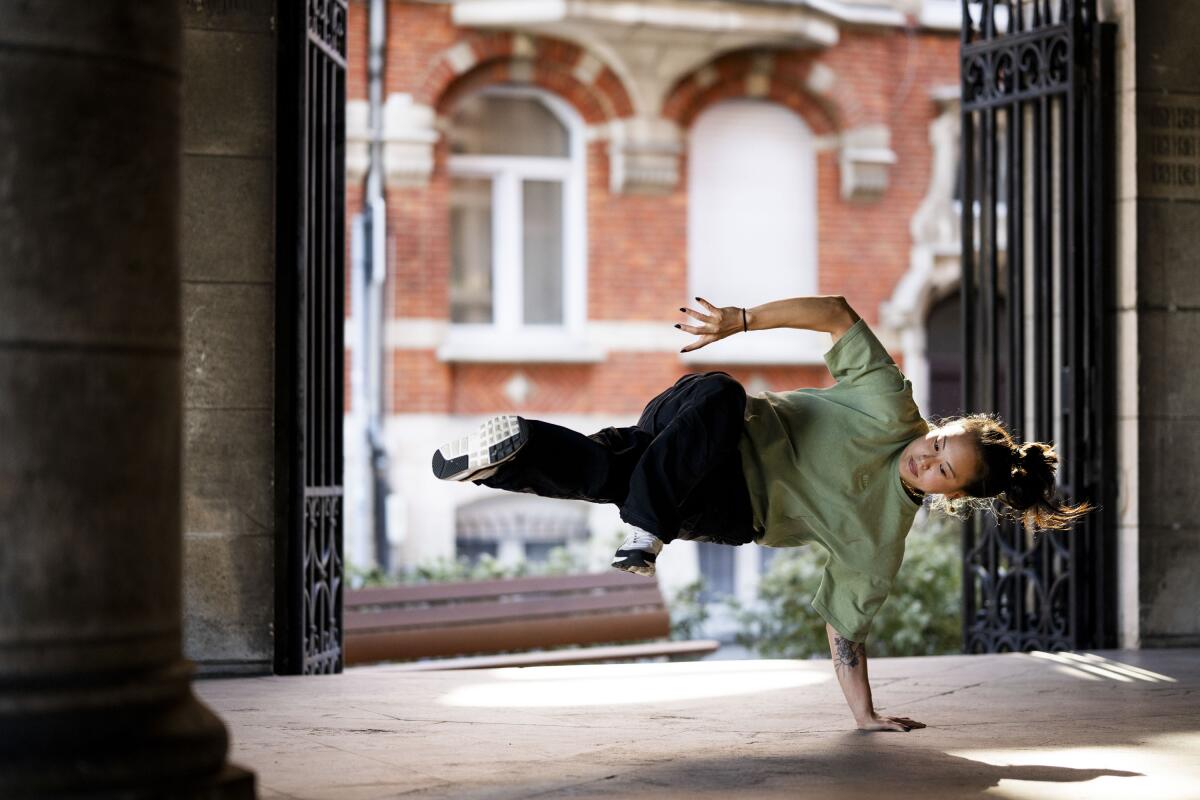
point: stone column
(1165, 91)
(94, 694)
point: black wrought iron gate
(309, 347)
(1036, 227)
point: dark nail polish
(677, 325)
(683, 309)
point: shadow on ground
(859, 765)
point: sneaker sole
(639, 562)
(496, 441)
(646, 571)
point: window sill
(547, 346)
(763, 348)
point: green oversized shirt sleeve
(849, 598)
(859, 359)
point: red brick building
(561, 177)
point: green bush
(922, 616)
(359, 578)
(560, 561)
(688, 611)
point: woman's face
(942, 461)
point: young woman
(845, 467)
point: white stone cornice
(652, 45)
(865, 159)
(596, 340)
(942, 15)
(932, 14)
(358, 141)
(863, 13)
(671, 16)
(644, 155)
(409, 135)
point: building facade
(560, 179)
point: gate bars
(1036, 288)
(309, 347)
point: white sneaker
(475, 456)
(638, 552)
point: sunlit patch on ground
(1152, 770)
(1089, 666)
(625, 684)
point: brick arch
(591, 106)
(728, 77)
(539, 61)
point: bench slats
(500, 636)
(574, 655)
(469, 618)
(434, 592)
(631, 601)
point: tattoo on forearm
(847, 654)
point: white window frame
(507, 337)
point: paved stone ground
(1119, 724)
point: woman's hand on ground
(881, 723)
(714, 323)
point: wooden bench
(518, 614)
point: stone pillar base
(233, 783)
(129, 735)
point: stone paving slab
(1118, 724)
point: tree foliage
(559, 561)
(688, 611)
(922, 616)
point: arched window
(752, 221)
(516, 212)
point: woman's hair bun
(1037, 459)
(1016, 481)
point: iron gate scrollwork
(310, 314)
(1036, 225)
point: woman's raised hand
(713, 323)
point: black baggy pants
(677, 473)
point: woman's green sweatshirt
(822, 467)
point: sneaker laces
(639, 539)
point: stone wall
(1167, 98)
(228, 243)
